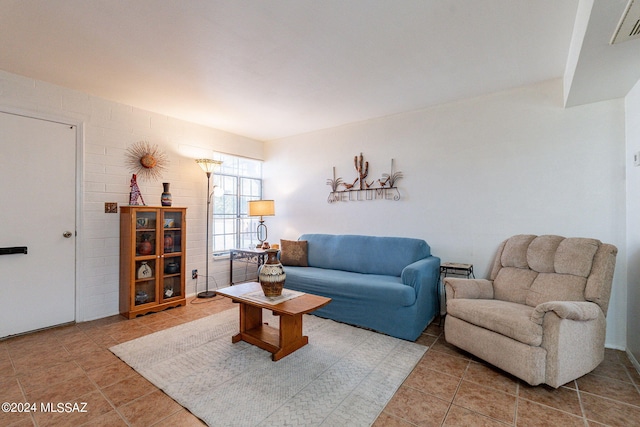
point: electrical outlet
(194, 274)
(110, 207)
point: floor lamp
(208, 166)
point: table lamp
(262, 208)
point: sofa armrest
(468, 288)
(426, 270)
(572, 310)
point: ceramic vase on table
(272, 275)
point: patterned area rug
(344, 377)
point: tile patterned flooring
(72, 364)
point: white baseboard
(634, 361)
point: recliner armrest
(468, 288)
(572, 310)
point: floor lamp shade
(262, 208)
(208, 165)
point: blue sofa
(388, 284)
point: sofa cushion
(357, 286)
(364, 254)
(293, 252)
(507, 318)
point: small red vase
(145, 247)
(168, 243)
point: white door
(37, 211)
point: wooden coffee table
(282, 341)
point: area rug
(344, 377)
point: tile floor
(73, 365)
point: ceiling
(269, 69)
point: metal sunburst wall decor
(146, 160)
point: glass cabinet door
(172, 231)
(146, 233)
(146, 264)
(172, 278)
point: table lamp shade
(262, 208)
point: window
(237, 181)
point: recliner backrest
(531, 269)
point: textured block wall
(108, 129)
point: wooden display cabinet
(152, 259)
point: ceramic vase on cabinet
(165, 198)
(168, 243)
(172, 268)
(272, 275)
(145, 247)
(144, 272)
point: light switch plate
(110, 207)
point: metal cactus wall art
(386, 188)
(362, 169)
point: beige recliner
(541, 315)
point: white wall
(475, 172)
(109, 129)
(632, 109)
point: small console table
(247, 256)
(457, 269)
(451, 269)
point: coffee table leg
(291, 337)
(250, 318)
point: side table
(247, 256)
(451, 269)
